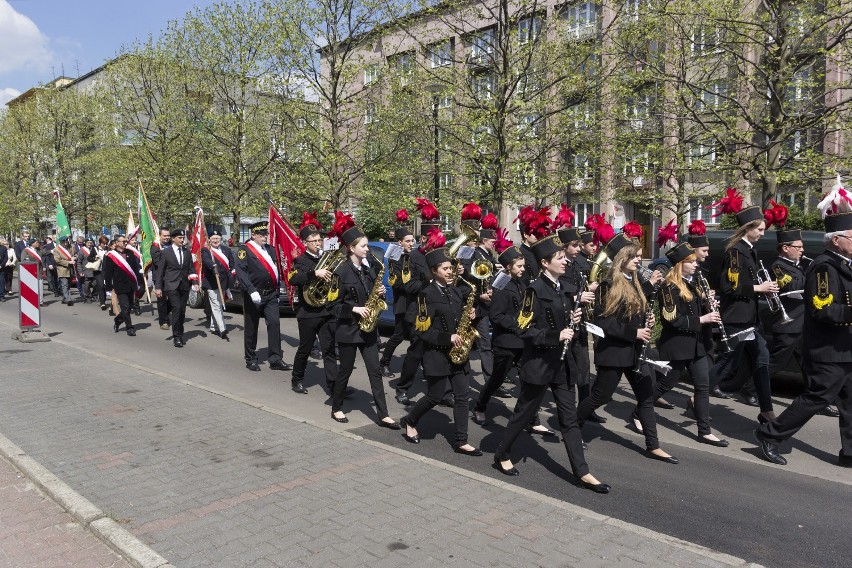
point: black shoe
(769, 449)
(402, 398)
(653, 456)
(449, 401)
(390, 425)
(131, 332)
(830, 411)
(403, 423)
(343, 420)
(177, 342)
(595, 417)
(511, 472)
(224, 335)
(315, 354)
(103, 307)
(546, 432)
(761, 419)
(298, 387)
(252, 366)
(71, 303)
(660, 403)
(502, 392)
(386, 373)
(719, 393)
(844, 461)
(281, 366)
(137, 312)
(475, 452)
(476, 420)
(596, 487)
(115, 326)
(717, 443)
(750, 400)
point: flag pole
(144, 268)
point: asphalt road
(726, 499)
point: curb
(107, 530)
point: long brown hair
(623, 292)
(675, 276)
(740, 233)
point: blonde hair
(675, 277)
(740, 233)
(624, 292)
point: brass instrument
(482, 268)
(588, 309)
(465, 330)
(315, 293)
(714, 307)
(773, 298)
(467, 233)
(375, 304)
(600, 267)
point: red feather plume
(731, 204)
(434, 239)
(777, 214)
(524, 214)
(490, 221)
(309, 219)
(428, 212)
(667, 233)
(503, 242)
(632, 230)
(593, 221)
(538, 222)
(697, 227)
(564, 218)
(402, 216)
(342, 223)
(471, 211)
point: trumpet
(774, 300)
(714, 307)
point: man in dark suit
(157, 248)
(173, 279)
(121, 275)
(23, 243)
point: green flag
(147, 228)
(63, 229)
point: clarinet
(575, 326)
(649, 313)
(714, 307)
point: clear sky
(40, 38)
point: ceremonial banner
(63, 229)
(199, 241)
(286, 243)
(148, 230)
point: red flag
(286, 243)
(199, 241)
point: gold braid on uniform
(423, 322)
(669, 308)
(406, 270)
(734, 269)
(525, 316)
(292, 273)
(823, 296)
(334, 289)
(781, 278)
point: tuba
(467, 233)
(600, 267)
(375, 304)
(315, 293)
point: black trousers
(755, 353)
(413, 358)
(783, 347)
(125, 301)
(529, 401)
(827, 383)
(504, 358)
(486, 355)
(268, 308)
(436, 387)
(177, 300)
(3, 283)
(370, 356)
(643, 389)
(401, 330)
(100, 287)
(699, 369)
(310, 328)
(163, 309)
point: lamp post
(434, 89)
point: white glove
(255, 297)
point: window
(635, 165)
(706, 40)
(700, 211)
(445, 180)
(582, 212)
(581, 166)
(639, 110)
(371, 73)
(713, 96)
(403, 66)
(529, 29)
(530, 125)
(441, 53)
(632, 8)
(482, 86)
(370, 113)
(481, 136)
(444, 100)
(481, 46)
(528, 175)
(582, 115)
(581, 19)
(530, 82)
(702, 153)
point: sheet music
(594, 329)
(393, 252)
(465, 253)
(501, 280)
(330, 243)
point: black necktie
(179, 256)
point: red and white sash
(265, 260)
(33, 254)
(220, 257)
(134, 250)
(64, 252)
(85, 251)
(122, 263)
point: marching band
(532, 307)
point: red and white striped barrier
(28, 277)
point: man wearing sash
(64, 267)
(121, 275)
(157, 248)
(217, 259)
(132, 246)
(257, 271)
(173, 278)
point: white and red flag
(199, 241)
(285, 241)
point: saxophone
(375, 305)
(465, 329)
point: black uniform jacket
(532, 267)
(584, 264)
(211, 265)
(681, 338)
(736, 285)
(828, 309)
(406, 281)
(503, 313)
(436, 319)
(789, 277)
(544, 313)
(301, 274)
(169, 274)
(350, 287)
(252, 275)
(115, 278)
(574, 280)
(619, 347)
(418, 260)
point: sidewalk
(205, 480)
